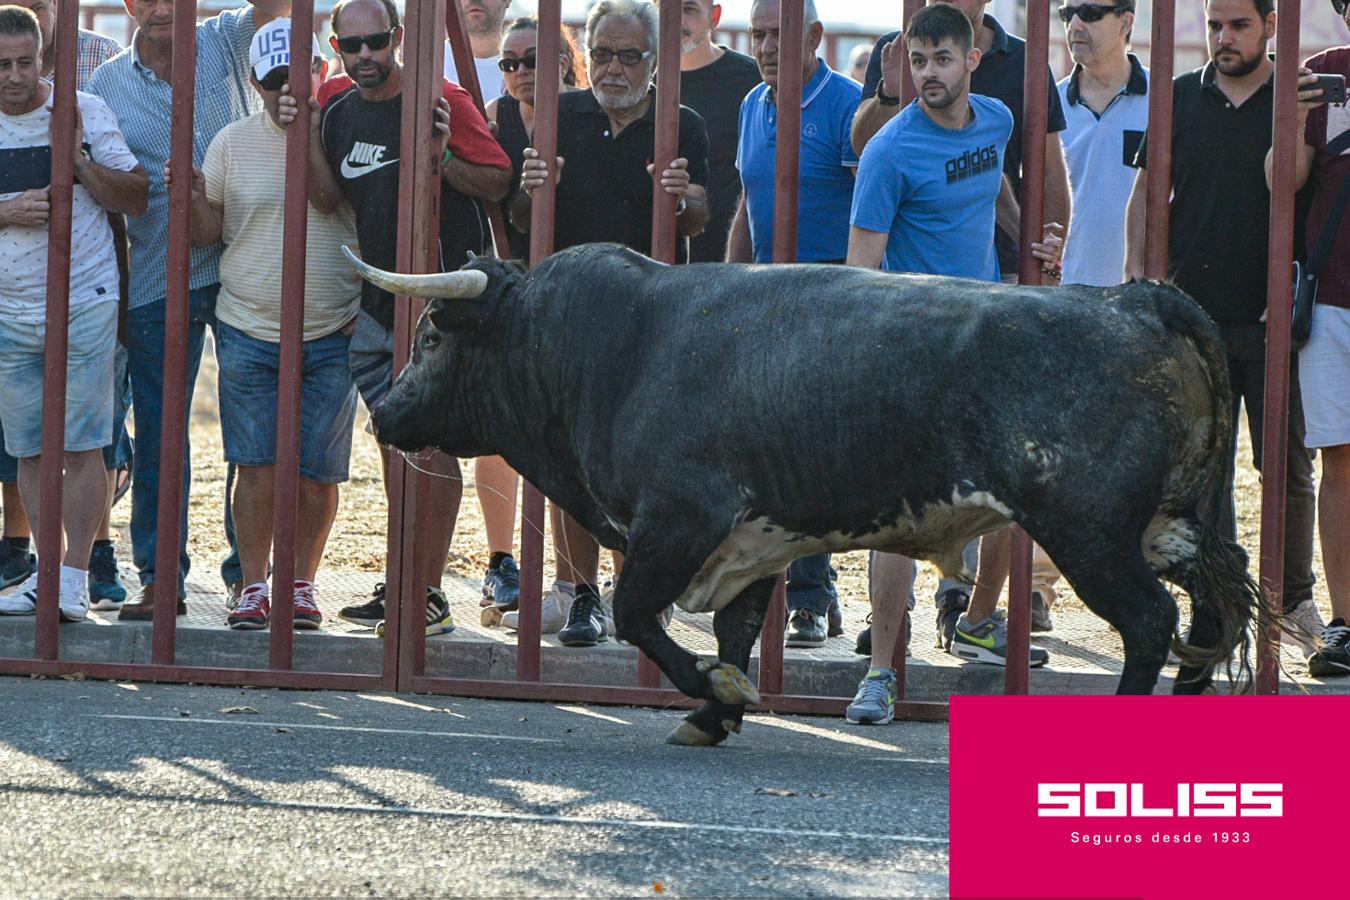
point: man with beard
(354, 158)
(928, 185)
(713, 81)
(1217, 250)
(606, 144)
(135, 85)
(825, 189)
(483, 18)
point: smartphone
(1333, 89)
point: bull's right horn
(441, 285)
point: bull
(714, 422)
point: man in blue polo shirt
(928, 185)
(1106, 106)
(825, 191)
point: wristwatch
(885, 99)
(82, 158)
(681, 207)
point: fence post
(1158, 176)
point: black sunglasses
(1340, 6)
(1088, 12)
(274, 79)
(352, 44)
(509, 64)
(602, 56)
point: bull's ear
(451, 316)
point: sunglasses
(1340, 6)
(353, 43)
(510, 64)
(1088, 12)
(603, 56)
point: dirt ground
(358, 539)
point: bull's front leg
(736, 626)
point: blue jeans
(145, 359)
(810, 584)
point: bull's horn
(441, 285)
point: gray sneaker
(874, 704)
(987, 641)
(1304, 628)
(553, 616)
(1041, 620)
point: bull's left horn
(441, 285)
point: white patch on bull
(1168, 540)
(616, 524)
(758, 548)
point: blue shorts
(249, 373)
(372, 359)
(89, 380)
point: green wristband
(446, 157)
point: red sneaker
(253, 610)
(307, 615)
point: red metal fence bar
(173, 423)
(286, 468)
(907, 89)
(1158, 176)
(52, 464)
(1279, 299)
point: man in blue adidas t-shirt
(927, 188)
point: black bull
(714, 422)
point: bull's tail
(1220, 581)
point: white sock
(266, 590)
(73, 578)
(566, 587)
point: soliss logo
(1215, 800)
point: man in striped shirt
(135, 84)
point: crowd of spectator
(931, 187)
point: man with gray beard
(606, 144)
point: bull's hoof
(730, 685)
(732, 725)
(687, 734)
(490, 617)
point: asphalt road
(143, 790)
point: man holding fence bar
(239, 197)
(1218, 245)
(106, 590)
(108, 179)
(606, 146)
(1323, 159)
(136, 86)
(354, 160)
(825, 190)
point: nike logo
(363, 159)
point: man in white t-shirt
(483, 18)
(239, 199)
(107, 179)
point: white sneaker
(557, 604)
(1306, 633)
(74, 600)
(22, 601)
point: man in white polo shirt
(483, 20)
(1105, 102)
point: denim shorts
(89, 380)
(249, 372)
(372, 359)
(1324, 377)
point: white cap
(271, 47)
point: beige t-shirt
(245, 172)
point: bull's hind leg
(736, 626)
(1122, 589)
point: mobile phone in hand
(1333, 89)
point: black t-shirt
(605, 193)
(361, 141)
(1219, 233)
(1000, 75)
(513, 137)
(715, 92)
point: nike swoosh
(350, 171)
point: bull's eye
(430, 338)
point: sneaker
(501, 584)
(806, 628)
(586, 625)
(987, 641)
(370, 613)
(1333, 659)
(15, 567)
(439, 620)
(556, 604)
(874, 704)
(834, 619)
(1041, 620)
(22, 602)
(74, 594)
(306, 616)
(864, 647)
(106, 590)
(254, 609)
(1307, 627)
(951, 606)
